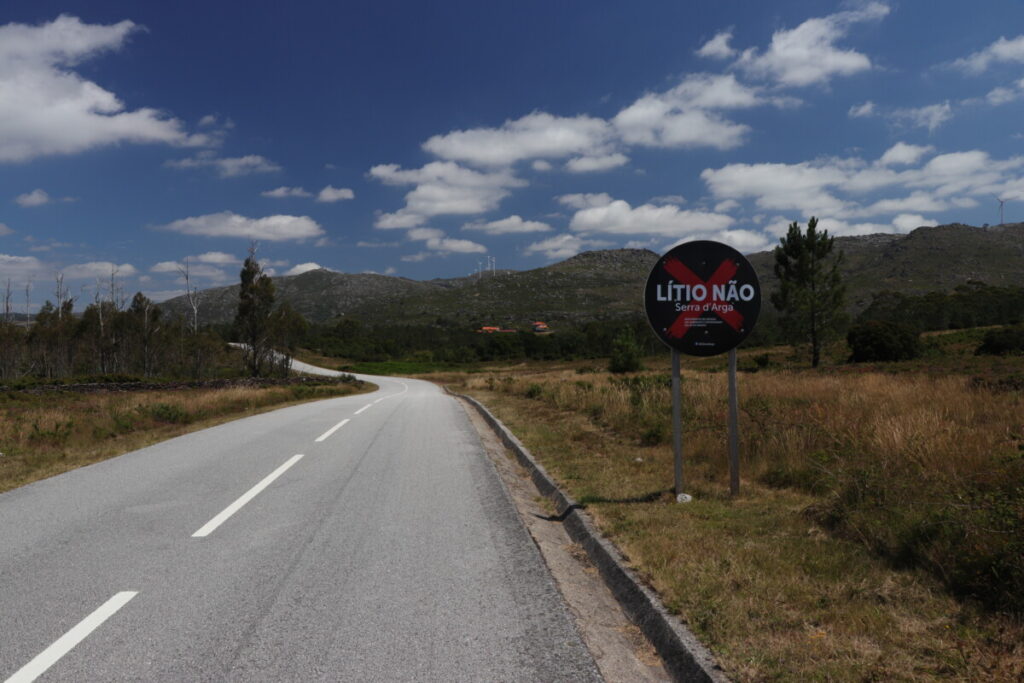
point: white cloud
(37, 197)
(47, 109)
(586, 201)
(801, 186)
(510, 225)
(745, 241)
(535, 136)
(335, 194)
(201, 271)
(226, 224)
(860, 111)
(1002, 50)
(284, 192)
(301, 268)
(684, 116)
(443, 187)
(218, 258)
(541, 165)
(905, 222)
(97, 269)
(808, 55)
(377, 245)
(718, 47)
(677, 199)
(167, 267)
(437, 241)
(401, 219)
(619, 218)
(1002, 95)
(903, 154)
(930, 117)
(563, 246)
(22, 267)
(424, 234)
(916, 201)
(5, 230)
(596, 163)
(727, 205)
(226, 167)
(836, 189)
(417, 257)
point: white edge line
(403, 391)
(330, 431)
(51, 655)
(363, 408)
(208, 528)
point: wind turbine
(1001, 202)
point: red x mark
(725, 271)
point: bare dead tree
(192, 295)
(10, 338)
(60, 294)
(8, 313)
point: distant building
(541, 328)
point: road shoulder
(620, 650)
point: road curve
(362, 538)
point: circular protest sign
(702, 298)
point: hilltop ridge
(608, 283)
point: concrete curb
(685, 658)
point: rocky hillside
(601, 284)
(926, 260)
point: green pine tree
(252, 322)
(811, 294)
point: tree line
(112, 336)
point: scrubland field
(44, 434)
(879, 533)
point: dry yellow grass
(45, 435)
(798, 578)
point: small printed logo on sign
(702, 298)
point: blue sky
(419, 139)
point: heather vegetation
(879, 530)
(973, 304)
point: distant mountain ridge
(608, 284)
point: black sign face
(702, 298)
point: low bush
(882, 341)
(1002, 342)
(625, 354)
(170, 413)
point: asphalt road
(363, 538)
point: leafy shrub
(534, 391)
(168, 412)
(625, 353)
(878, 340)
(1004, 341)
